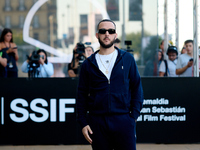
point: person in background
(183, 51)
(161, 46)
(7, 45)
(58, 71)
(45, 68)
(153, 64)
(89, 51)
(3, 64)
(168, 67)
(73, 67)
(185, 61)
(117, 42)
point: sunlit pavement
(88, 147)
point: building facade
(14, 12)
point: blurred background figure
(168, 66)
(153, 64)
(58, 70)
(89, 51)
(184, 67)
(161, 46)
(117, 43)
(3, 64)
(183, 51)
(78, 57)
(7, 45)
(37, 65)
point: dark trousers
(12, 74)
(113, 132)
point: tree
(149, 51)
(136, 44)
(18, 37)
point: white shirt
(45, 70)
(182, 62)
(171, 72)
(106, 62)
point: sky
(185, 19)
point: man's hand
(85, 131)
(190, 63)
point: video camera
(34, 63)
(81, 51)
(128, 49)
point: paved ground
(87, 147)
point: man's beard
(104, 45)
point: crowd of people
(170, 64)
(37, 64)
(173, 64)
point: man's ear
(115, 36)
(97, 35)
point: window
(71, 35)
(7, 22)
(36, 21)
(83, 26)
(36, 36)
(21, 5)
(98, 18)
(135, 10)
(112, 7)
(21, 21)
(7, 5)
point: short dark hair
(4, 32)
(41, 50)
(172, 49)
(105, 20)
(188, 41)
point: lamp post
(166, 27)
(195, 43)
(51, 31)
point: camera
(34, 59)
(34, 64)
(128, 49)
(80, 48)
(80, 51)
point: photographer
(78, 57)
(38, 62)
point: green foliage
(18, 37)
(136, 45)
(149, 51)
(136, 41)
